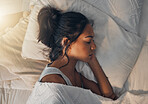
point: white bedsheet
(13, 89)
(51, 93)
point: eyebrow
(89, 36)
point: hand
(93, 60)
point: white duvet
(52, 93)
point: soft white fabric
(143, 23)
(10, 56)
(137, 81)
(13, 96)
(13, 6)
(5, 75)
(13, 90)
(51, 93)
(10, 80)
(32, 2)
(118, 44)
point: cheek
(84, 50)
(80, 51)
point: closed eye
(88, 42)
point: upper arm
(55, 78)
(88, 84)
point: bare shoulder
(55, 78)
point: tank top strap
(54, 70)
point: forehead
(88, 31)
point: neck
(69, 69)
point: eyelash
(89, 42)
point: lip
(90, 54)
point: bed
(122, 48)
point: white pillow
(118, 44)
(137, 81)
(143, 31)
(10, 56)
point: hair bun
(48, 18)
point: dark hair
(55, 25)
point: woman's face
(83, 48)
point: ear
(65, 41)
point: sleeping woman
(70, 37)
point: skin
(82, 49)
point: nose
(93, 46)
